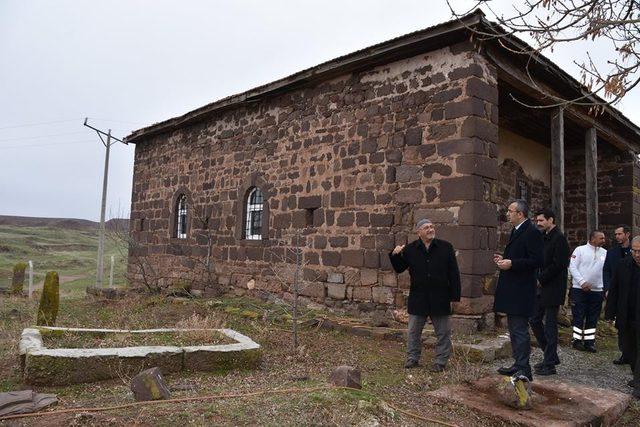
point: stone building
(341, 159)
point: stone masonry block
(408, 173)
(478, 213)
(368, 277)
(462, 188)
(352, 257)
(476, 261)
(477, 165)
(382, 295)
(480, 305)
(409, 195)
(309, 202)
(337, 291)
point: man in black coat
(623, 306)
(435, 283)
(516, 289)
(551, 292)
(614, 255)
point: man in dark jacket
(623, 306)
(614, 256)
(516, 289)
(552, 289)
(435, 283)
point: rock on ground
(149, 385)
(346, 376)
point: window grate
(253, 222)
(181, 229)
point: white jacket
(586, 266)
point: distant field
(71, 252)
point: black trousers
(544, 325)
(520, 342)
(631, 349)
(585, 310)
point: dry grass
(384, 379)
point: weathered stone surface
(461, 188)
(337, 291)
(408, 173)
(435, 215)
(25, 402)
(382, 295)
(368, 277)
(478, 213)
(466, 107)
(555, 403)
(352, 257)
(312, 289)
(481, 89)
(409, 196)
(149, 385)
(480, 128)
(346, 376)
(335, 278)
(477, 165)
(476, 305)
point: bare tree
(154, 279)
(551, 23)
(288, 270)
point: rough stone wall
(347, 167)
(509, 174)
(615, 192)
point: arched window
(253, 221)
(181, 217)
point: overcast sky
(127, 64)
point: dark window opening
(253, 220)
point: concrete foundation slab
(555, 403)
(79, 365)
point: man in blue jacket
(614, 255)
(516, 290)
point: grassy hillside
(69, 251)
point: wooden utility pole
(591, 172)
(107, 144)
(557, 166)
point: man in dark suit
(516, 289)
(623, 306)
(614, 255)
(435, 283)
(551, 292)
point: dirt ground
(389, 391)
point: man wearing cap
(435, 283)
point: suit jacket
(614, 256)
(516, 289)
(618, 303)
(553, 274)
(435, 278)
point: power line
(24, 125)
(44, 145)
(40, 136)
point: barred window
(181, 219)
(253, 221)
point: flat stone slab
(555, 403)
(65, 366)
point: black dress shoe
(578, 345)
(410, 364)
(546, 370)
(621, 361)
(542, 364)
(591, 348)
(507, 370)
